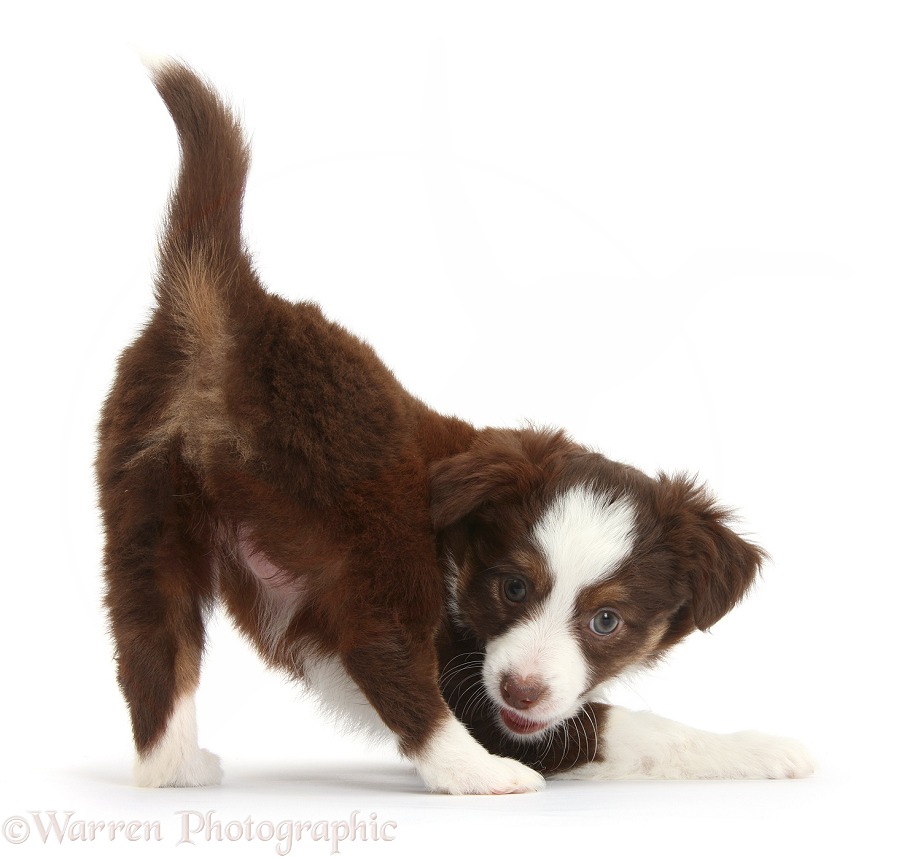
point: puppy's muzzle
(521, 692)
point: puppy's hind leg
(159, 584)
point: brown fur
(240, 422)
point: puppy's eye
(515, 589)
(605, 622)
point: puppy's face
(569, 569)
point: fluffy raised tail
(202, 260)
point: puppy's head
(569, 568)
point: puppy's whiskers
(591, 746)
(448, 673)
(478, 702)
(468, 698)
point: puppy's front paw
(644, 745)
(495, 776)
(764, 756)
(453, 762)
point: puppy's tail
(202, 261)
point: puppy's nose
(521, 692)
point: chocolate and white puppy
(468, 590)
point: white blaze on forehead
(585, 536)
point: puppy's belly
(274, 581)
(280, 597)
(341, 699)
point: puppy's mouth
(519, 724)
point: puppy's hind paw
(190, 768)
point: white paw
(495, 776)
(763, 756)
(644, 745)
(176, 760)
(191, 768)
(453, 762)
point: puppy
(470, 591)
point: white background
(683, 231)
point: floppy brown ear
(501, 465)
(717, 564)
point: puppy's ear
(500, 466)
(717, 565)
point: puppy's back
(227, 374)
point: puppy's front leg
(641, 745)
(398, 677)
(454, 762)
